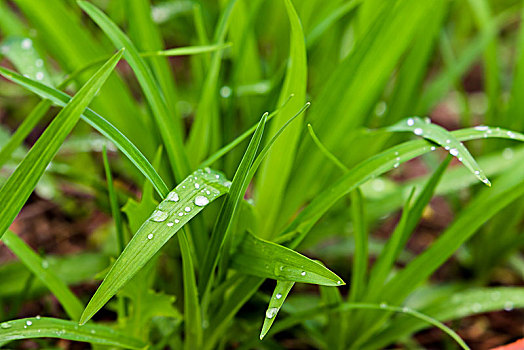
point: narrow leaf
(280, 293)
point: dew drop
(405, 309)
(26, 44)
(159, 216)
(225, 91)
(217, 177)
(410, 122)
(433, 148)
(278, 296)
(150, 236)
(339, 282)
(481, 128)
(477, 172)
(39, 75)
(446, 148)
(39, 62)
(271, 312)
(227, 183)
(508, 305)
(187, 209)
(170, 224)
(383, 305)
(28, 323)
(177, 221)
(303, 273)
(37, 317)
(396, 165)
(511, 135)
(173, 197)
(5, 325)
(45, 264)
(201, 201)
(180, 214)
(197, 185)
(418, 131)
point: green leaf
(97, 122)
(21, 183)
(40, 269)
(280, 293)
(45, 327)
(113, 202)
(188, 50)
(276, 170)
(170, 131)
(361, 255)
(269, 260)
(180, 206)
(445, 139)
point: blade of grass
(185, 51)
(113, 202)
(280, 293)
(445, 139)
(45, 327)
(21, 183)
(360, 257)
(97, 122)
(180, 206)
(261, 258)
(170, 131)
(40, 269)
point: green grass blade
(276, 170)
(188, 50)
(97, 122)
(375, 166)
(360, 257)
(445, 139)
(409, 219)
(280, 293)
(180, 206)
(265, 259)
(21, 183)
(170, 131)
(45, 327)
(40, 269)
(325, 151)
(192, 313)
(113, 202)
(229, 208)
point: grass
(213, 241)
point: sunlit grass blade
(169, 129)
(375, 166)
(269, 260)
(324, 150)
(97, 122)
(456, 306)
(409, 219)
(45, 327)
(229, 208)
(40, 269)
(360, 257)
(188, 50)
(113, 202)
(180, 206)
(192, 313)
(280, 293)
(276, 169)
(445, 139)
(21, 183)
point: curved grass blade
(46, 327)
(265, 259)
(229, 208)
(188, 50)
(375, 166)
(458, 305)
(180, 206)
(444, 138)
(170, 131)
(97, 122)
(324, 150)
(314, 312)
(40, 269)
(21, 183)
(280, 293)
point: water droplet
(427, 120)
(508, 305)
(227, 183)
(26, 44)
(383, 305)
(170, 224)
(217, 177)
(339, 282)
(208, 192)
(159, 216)
(511, 135)
(481, 128)
(28, 323)
(92, 331)
(45, 264)
(418, 131)
(225, 91)
(177, 221)
(39, 75)
(150, 236)
(39, 62)
(278, 296)
(37, 317)
(197, 185)
(172, 197)
(396, 165)
(180, 214)
(507, 153)
(446, 148)
(405, 309)
(5, 325)
(303, 273)
(271, 312)
(410, 122)
(454, 152)
(433, 148)
(187, 209)
(201, 201)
